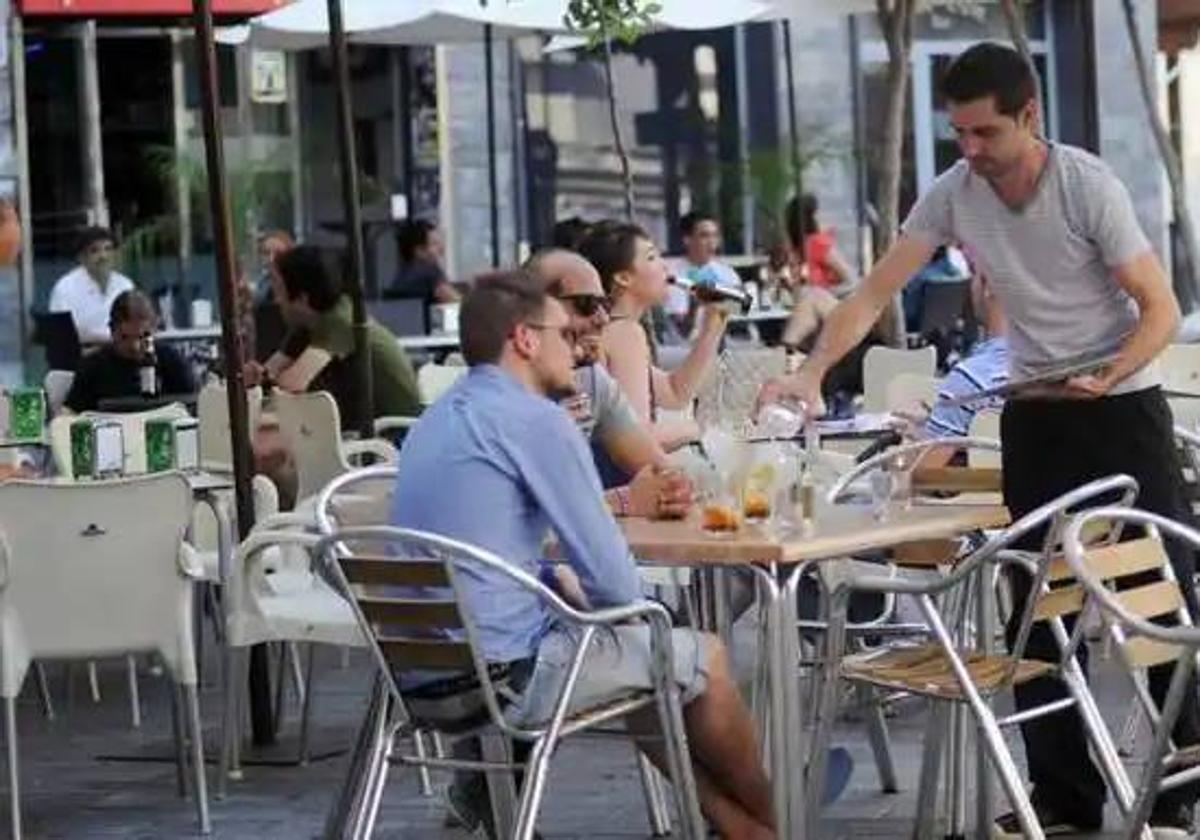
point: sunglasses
(586, 305)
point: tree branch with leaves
(602, 22)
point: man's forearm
(1155, 330)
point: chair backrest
(212, 412)
(94, 569)
(433, 380)
(925, 479)
(907, 392)
(732, 386)
(883, 364)
(1136, 615)
(1180, 367)
(985, 424)
(311, 428)
(57, 384)
(357, 498)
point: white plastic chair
(907, 392)
(212, 412)
(272, 595)
(97, 569)
(985, 424)
(1180, 367)
(732, 386)
(57, 384)
(881, 365)
(311, 427)
(433, 380)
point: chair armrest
(284, 521)
(189, 562)
(384, 451)
(384, 425)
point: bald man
(598, 406)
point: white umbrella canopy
(305, 24)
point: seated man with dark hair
(319, 354)
(113, 370)
(421, 275)
(499, 439)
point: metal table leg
(784, 786)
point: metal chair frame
(996, 551)
(455, 556)
(1124, 626)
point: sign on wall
(268, 77)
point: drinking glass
(882, 481)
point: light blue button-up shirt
(985, 368)
(496, 466)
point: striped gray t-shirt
(1050, 262)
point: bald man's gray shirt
(607, 411)
(1050, 262)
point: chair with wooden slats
(1149, 625)
(403, 586)
(953, 668)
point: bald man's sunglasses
(586, 305)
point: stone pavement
(73, 787)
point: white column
(89, 110)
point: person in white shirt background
(88, 290)
(701, 244)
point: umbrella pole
(489, 76)
(353, 212)
(262, 720)
(793, 123)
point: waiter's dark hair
(493, 309)
(305, 272)
(994, 70)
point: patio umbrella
(262, 719)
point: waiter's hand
(803, 387)
(1089, 387)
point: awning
(141, 8)
(1178, 24)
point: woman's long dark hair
(801, 219)
(611, 247)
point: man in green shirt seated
(318, 352)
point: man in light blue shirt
(986, 367)
(499, 464)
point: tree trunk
(1170, 160)
(1020, 39)
(896, 22)
(618, 140)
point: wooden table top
(839, 531)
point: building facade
(99, 123)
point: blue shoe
(839, 767)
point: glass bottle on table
(148, 368)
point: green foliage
(257, 193)
(610, 20)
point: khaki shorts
(617, 663)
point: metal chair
(956, 672)
(404, 594)
(1132, 614)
